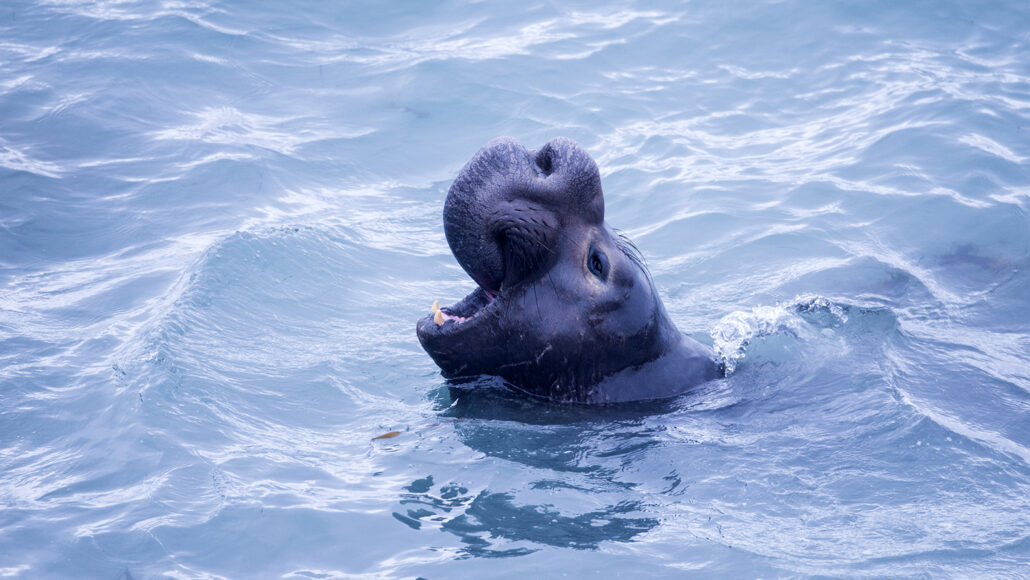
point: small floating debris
(389, 435)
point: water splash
(736, 331)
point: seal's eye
(597, 262)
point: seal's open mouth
(462, 312)
(461, 336)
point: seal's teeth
(437, 313)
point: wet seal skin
(564, 307)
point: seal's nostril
(545, 162)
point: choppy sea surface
(220, 221)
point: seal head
(564, 307)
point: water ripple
(228, 126)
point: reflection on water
(485, 519)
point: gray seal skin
(564, 307)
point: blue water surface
(219, 222)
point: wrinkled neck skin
(564, 308)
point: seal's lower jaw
(453, 334)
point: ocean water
(219, 223)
